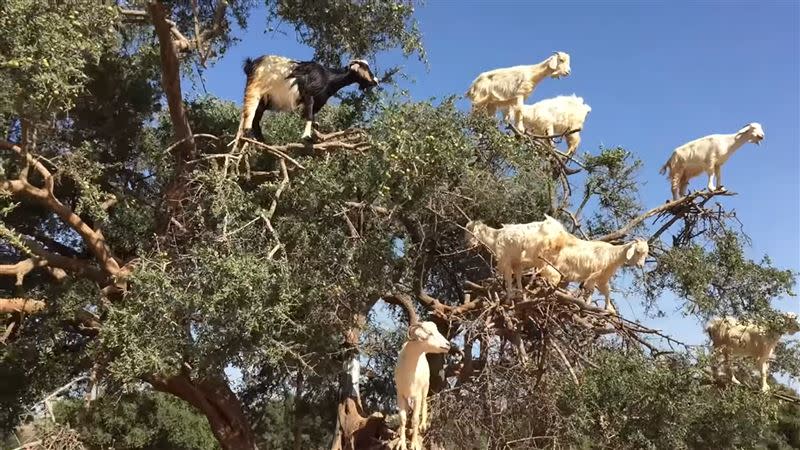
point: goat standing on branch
(555, 116)
(593, 263)
(280, 84)
(412, 378)
(507, 88)
(516, 247)
(728, 335)
(707, 154)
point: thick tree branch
(186, 149)
(670, 206)
(203, 38)
(20, 305)
(20, 187)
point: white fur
(706, 154)
(507, 88)
(412, 378)
(729, 336)
(593, 263)
(557, 115)
(516, 247)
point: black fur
(320, 82)
(250, 64)
(315, 84)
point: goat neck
(486, 234)
(540, 72)
(737, 141)
(340, 78)
(412, 350)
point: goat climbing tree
(138, 248)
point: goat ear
(552, 62)
(631, 250)
(412, 331)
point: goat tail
(248, 66)
(470, 93)
(714, 329)
(666, 165)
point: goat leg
(308, 113)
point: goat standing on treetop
(707, 154)
(508, 87)
(280, 84)
(730, 336)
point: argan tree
(142, 249)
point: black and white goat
(280, 84)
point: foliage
(359, 29)
(631, 402)
(241, 279)
(720, 280)
(140, 419)
(611, 180)
(44, 62)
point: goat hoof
(307, 138)
(249, 133)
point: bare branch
(670, 206)
(20, 305)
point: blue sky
(656, 74)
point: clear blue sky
(656, 74)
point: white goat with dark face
(507, 88)
(412, 378)
(707, 154)
(280, 84)
(729, 336)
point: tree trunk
(185, 148)
(353, 430)
(299, 410)
(213, 398)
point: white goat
(557, 115)
(412, 378)
(593, 263)
(516, 247)
(729, 336)
(706, 154)
(507, 88)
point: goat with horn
(280, 84)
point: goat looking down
(729, 336)
(516, 247)
(557, 115)
(412, 378)
(593, 263)
(508, 87)
(706, 154)
(280, 84)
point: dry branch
(20, 305)
(674, 207)
(45, 197)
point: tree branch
(20, 187)
(20, 305)
(670, 206)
